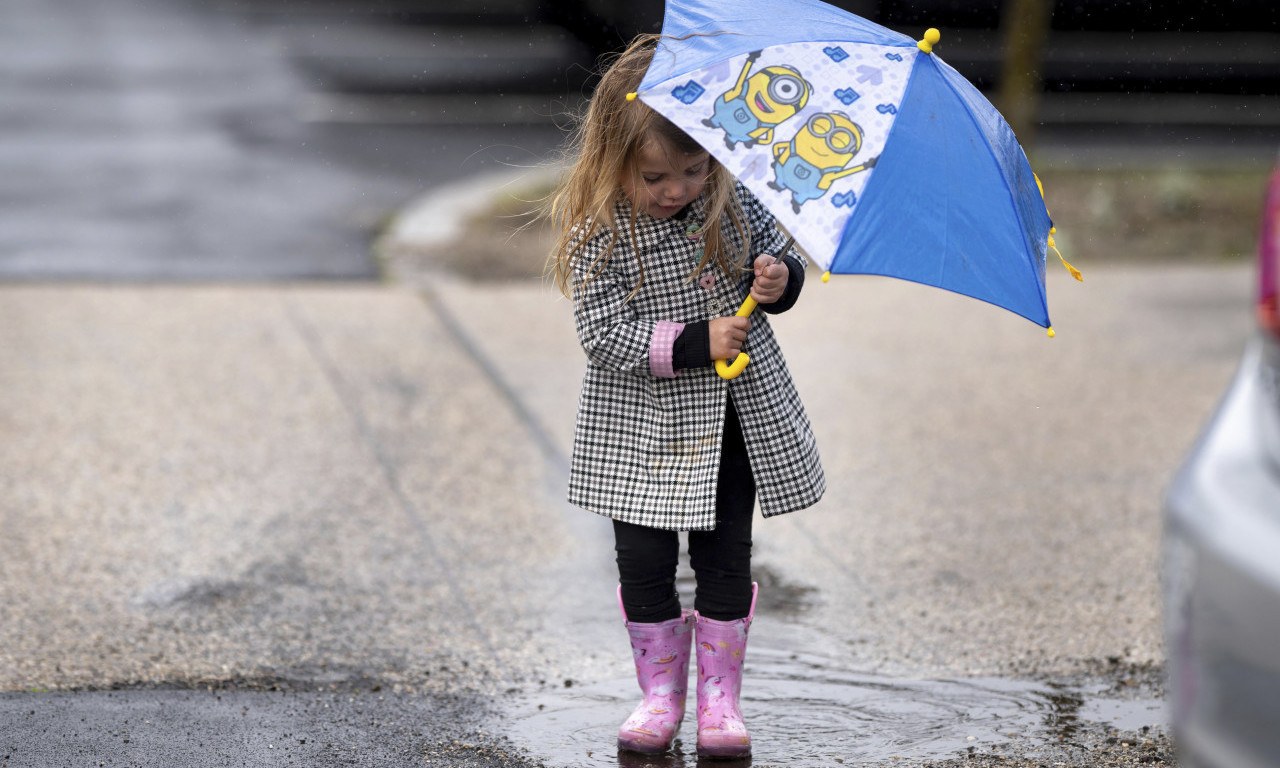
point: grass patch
(504, 240)
(1161, 215)
(1110, 216)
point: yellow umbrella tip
(931, 38)
(1052, 332)
(826, 277)
(632, 96)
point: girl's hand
(771, 279)
(727, 335)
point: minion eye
(786, 89)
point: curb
(440, 216)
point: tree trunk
(1024, 26)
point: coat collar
(651, 232)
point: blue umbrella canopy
(879, 157)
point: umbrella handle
(723, 367)
(726, 370)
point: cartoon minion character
(818, 155)
(749, 110)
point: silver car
(1222, 555)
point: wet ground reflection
(802, 712)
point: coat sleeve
(609, 329)
(767, 238)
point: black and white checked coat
(647, 448)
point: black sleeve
(692, 348)
(795, 281)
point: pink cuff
(660, 348)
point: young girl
(657, 247)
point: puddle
(801, 712)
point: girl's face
(668, 179)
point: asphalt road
(176, 140)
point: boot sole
(729, 752)
(643, 749)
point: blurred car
(1221, 559)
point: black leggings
(720, 558)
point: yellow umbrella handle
(723, 367)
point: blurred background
(1102, 70)
(276, 138)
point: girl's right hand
(727, 336)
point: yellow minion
(818, 155)
(749, 110)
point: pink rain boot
(722, 647)
(661, 654)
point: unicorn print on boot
(661, 652)
(722, 648)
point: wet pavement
(342, 488)
(957, 598)
(245, 728)
(805, 711)
(249, 488)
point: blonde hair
(606, 145)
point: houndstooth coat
(647, 440)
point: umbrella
(879, 157)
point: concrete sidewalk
(307, 482)
(307, 500)
(993, 502)
(357, 487)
